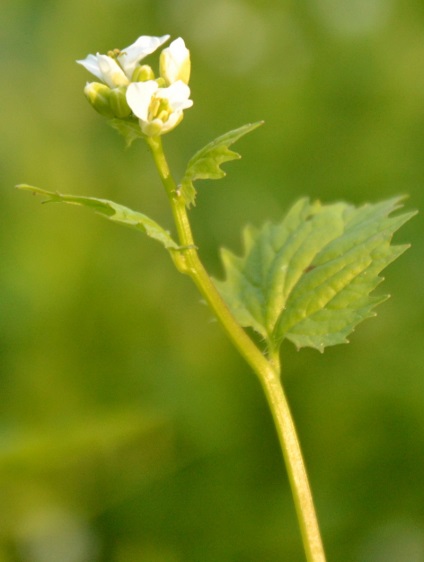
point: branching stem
(267, 369)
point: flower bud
(118, 102)
(175, 62)
(142, 74)
(99, 97)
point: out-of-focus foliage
(129, 427)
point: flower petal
(174, 119)
(177, 95)
(105, 69)
(112, 73)
(139, 96)
(145, 45)
(91, 64)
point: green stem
(268, 371)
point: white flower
(158, 109)
(175, 62)
(117, 70)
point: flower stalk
(268, 370)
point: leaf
(128, 128)
(112, 211)
(308, 278)
(206, 163)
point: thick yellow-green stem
(267, 369)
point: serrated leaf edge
(383, 235)
(186, 187)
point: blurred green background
(130, 430)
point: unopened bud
(175, 62)
(143, 73)
(118, 103)
(99, 97)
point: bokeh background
(130, 430)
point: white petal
(177, 94)
(157, 127)
(139, 96)
(106, 69)
(112, 73)
(182, 105)
(145, 45)
(172, 122)
(92, 65)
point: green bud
(142, 74)
(99, 97)
(118, 102)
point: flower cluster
(128, 88)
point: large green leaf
(308, 278)
(112, 211)
(206, 163)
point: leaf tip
(258, 123)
